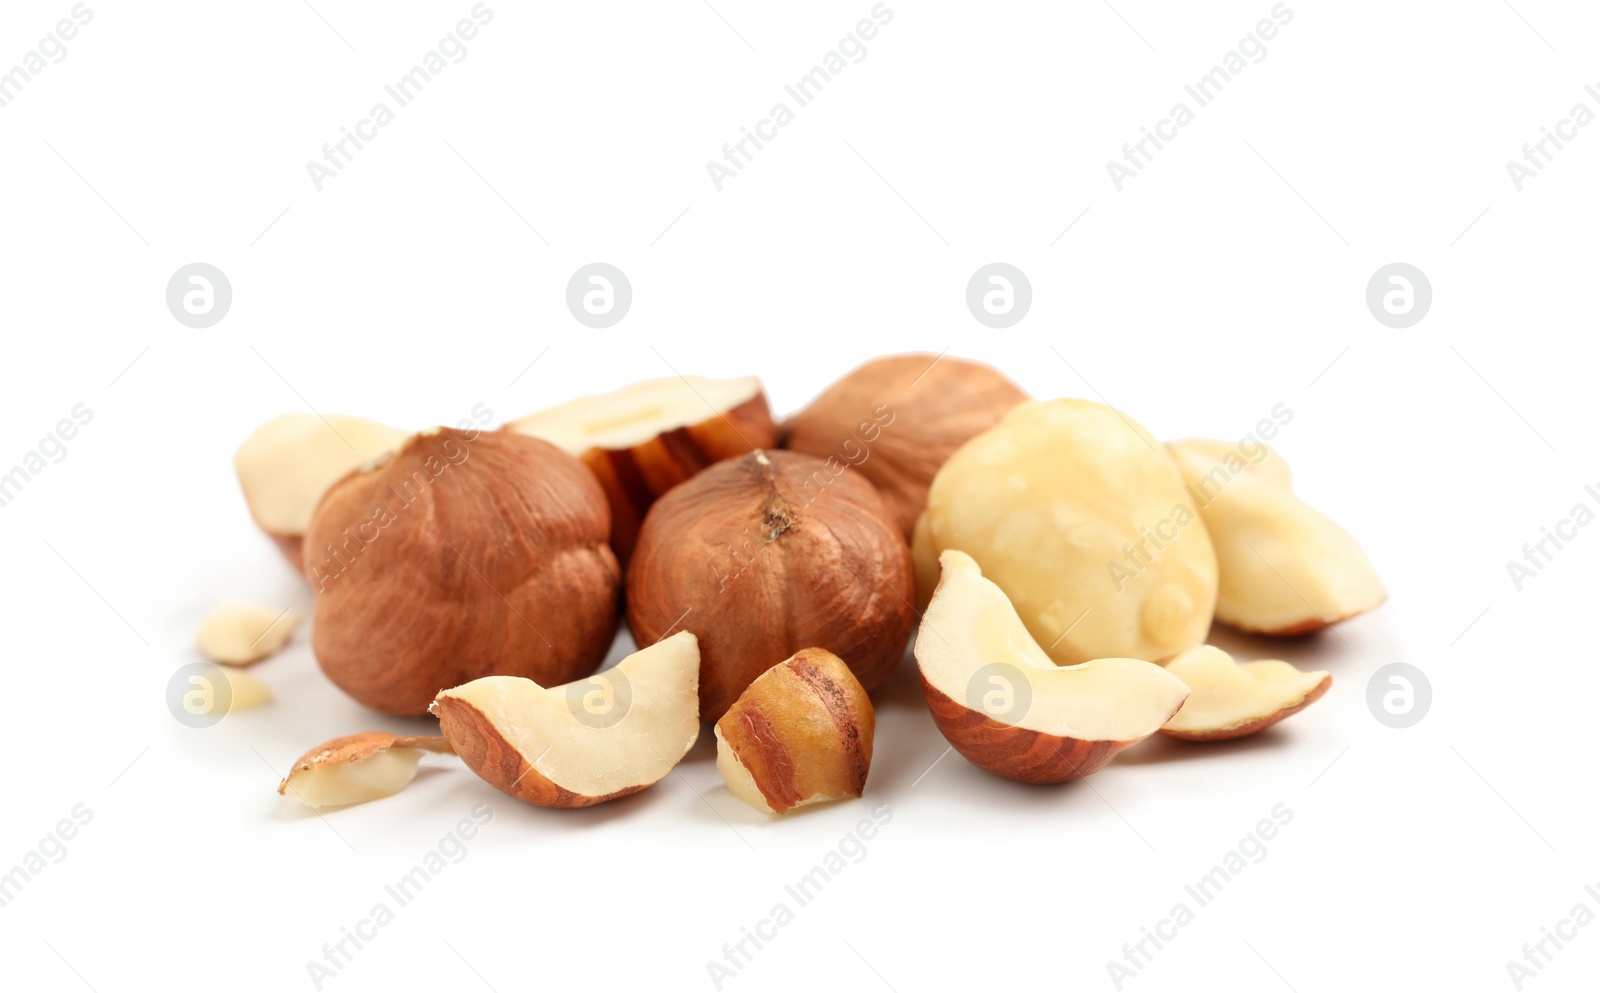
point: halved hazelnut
(358, 767)
(800, 734)
(897, 419)
(1005, 706)
(584, 743)
(767, 554)
(241, 633)
(463, 554)
(644, 439)
(1284, 568)
(1229, 699)
(287, 463)
(1079, 515)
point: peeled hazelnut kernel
(1229, 699)
(239, 633)
(800, 734)
(357, 768)
(590, 741)
(287, 463)
(644, 439)
(934, 404)
(767, 554)
(1284, 568)
(1008, 708)
(463, 555)
(1074, 511)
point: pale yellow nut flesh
(358, 768)
(593, 740)
(1079, 515)
(635, 414)
(287, 463)
(1284, 568)
(244, 692)
(739, 781)
(1229, 699)
(971, 623)
(241, 633)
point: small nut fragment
(358, 767)
(800, 734)
(242, 633)
(244, 691)
(1229, 699)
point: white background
(1227, 278)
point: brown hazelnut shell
(463, 554)
(764, 555)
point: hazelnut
(1008, 708)
(896, 419)
(800, 734)
(462, 555)
(1229, 699)
(1283, 567)
(357, 768)
(766, 554)
(1080, 516)
(587, 742)
(644, 439)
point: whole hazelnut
(461, 555)
(764, 555)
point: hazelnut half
(644, 439)
(766, 554)
(800, 734)
(287, 463)
(464, 554)
(1007, 708)
(1284, 568)
(584, 743)
(897, 418)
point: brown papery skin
(634, 478)
(766, 554)
(937, 405)
(803, 729)
(491, 563)
(1015, 753)
(487, 753)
